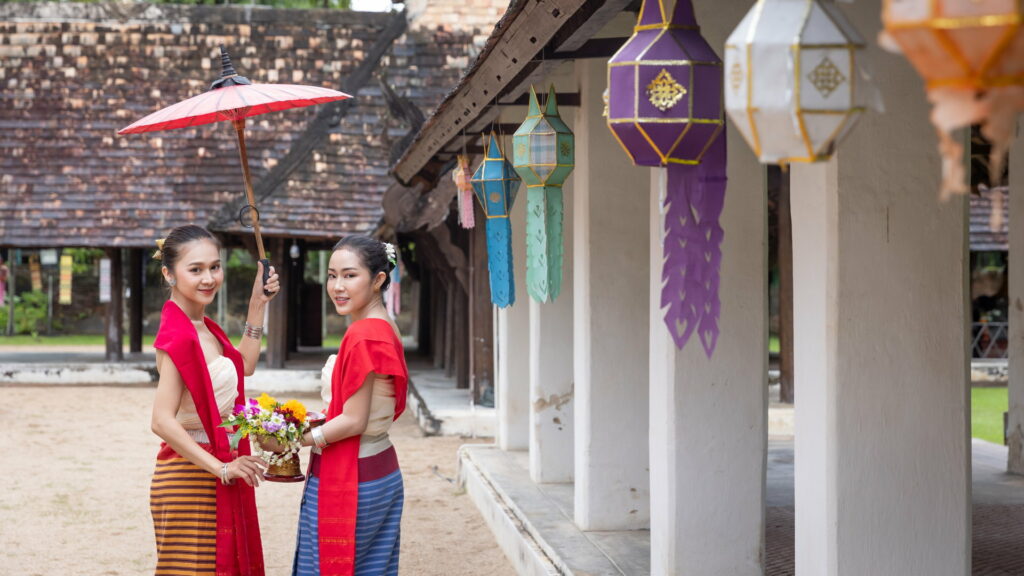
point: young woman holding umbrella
(352, 503)
(201, 497)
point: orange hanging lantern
(971, 56)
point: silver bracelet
(254, 332)
(224, 473)
(317, 434)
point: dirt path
(75, 499)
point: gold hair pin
(159, 254)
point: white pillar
(882, 472)
(1015, 425)
(551, 365)
(708, 434)
(512, 349)
(612, 485)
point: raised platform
(533, 522)
(442, 409)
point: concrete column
(882, 445)
(1015, 425)
(612, 486)
(708, 432)
(551, 368)
(512, 349)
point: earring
(172, 282)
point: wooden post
(461, 340)
(785, 261)
(424, 315)
(115, 309)
(296, 273)
(136, 273)
(482, 318)
(277, 324)
(12, 268)
(450, 326)
(438, 317)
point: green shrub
(29, 313)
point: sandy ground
(75, 500)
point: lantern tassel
(544, 221)
(462, 177)
(466, 217)
(499, 262)
(693, 248)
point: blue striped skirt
(378, 526)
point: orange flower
(296, 408)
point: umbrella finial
(228, 76)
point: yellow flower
(297, 409)
(266, 402)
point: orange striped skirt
(183, 501)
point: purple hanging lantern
(665, 109)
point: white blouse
(225, 390)
(382, 409)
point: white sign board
(105, 280)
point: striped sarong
(378, 522)
(183, 501)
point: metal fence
(989, 339)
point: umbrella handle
(266, 276)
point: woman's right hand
(248, 468)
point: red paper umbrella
(234, 98)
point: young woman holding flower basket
(352, 503)
(201, 498)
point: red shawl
(369, 345)
(239, 550)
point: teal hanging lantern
(495, 184)
(544, 152)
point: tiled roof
(73, 74)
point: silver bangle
(317, 434)
(224, 473)
(254, 332)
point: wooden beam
(506, 72)
(508, 51)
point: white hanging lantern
(793, 81)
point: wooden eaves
(530, 40)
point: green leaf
(235, 439)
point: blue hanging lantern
(495, 184)
(544, 154)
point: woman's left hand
(273, 285)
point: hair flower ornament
(392, 254)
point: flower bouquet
(266, 418)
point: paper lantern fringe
(544, 248)
(693, 248)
